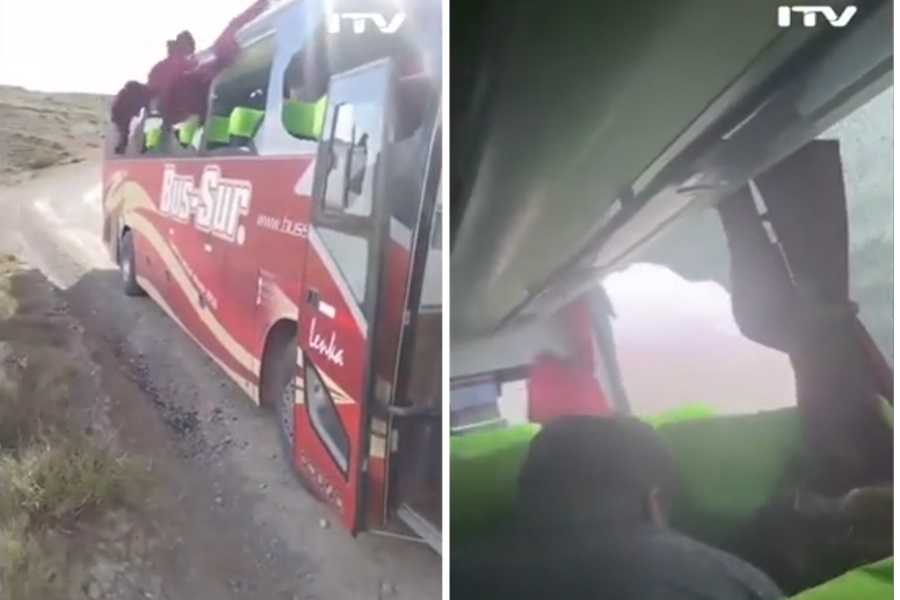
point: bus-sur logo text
(216, 203)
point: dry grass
(29, 568)
(44, 130)
(53, 476)
(8, 266)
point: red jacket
(188, 92)
(558, 387)
(166, 72)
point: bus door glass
(337, 330)
(415, 411)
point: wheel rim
(287, 412)
(125, 264)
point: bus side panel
(259, 280)
(333, 344)
(180, 303)
(177, 262)
(131, 201)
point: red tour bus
(294, 231)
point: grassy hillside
(39, 130)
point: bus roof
(422, 25)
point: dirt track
(232, 521)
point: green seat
(243, 123)
(217, 130)
(731, 465)
(874, 581)
(720, 489)
(484, 469)
(304, 119)
(186, 129)
(152, 133)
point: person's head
(615, 469)
(184, 44)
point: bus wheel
(277, 385)
(286, 397)
(278, 389)
(127, 264)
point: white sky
(97, 45)
(644, 294)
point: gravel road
(245, 528)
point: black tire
(127, 267)
(277, 395)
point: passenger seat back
(243, 125)
(217, 131)
(304, 120)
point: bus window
(305, 85)
(437, 237)
(416, 94)
(677, 339)
(324, 55)
(349, 187)
(343, 192)
(238, 100)
(474, 406)
(326, 421)
(866, 140)
(431, 284)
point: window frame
(339, 450)
(327, 207)
(268, 42)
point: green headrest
(244, 122)
(217, 129)
(186, 130)
(304, 119)
(152, 132)
(151, 137)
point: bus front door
(337, 328)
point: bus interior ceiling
(603, 124)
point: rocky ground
(181, 492)
(74, 521)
